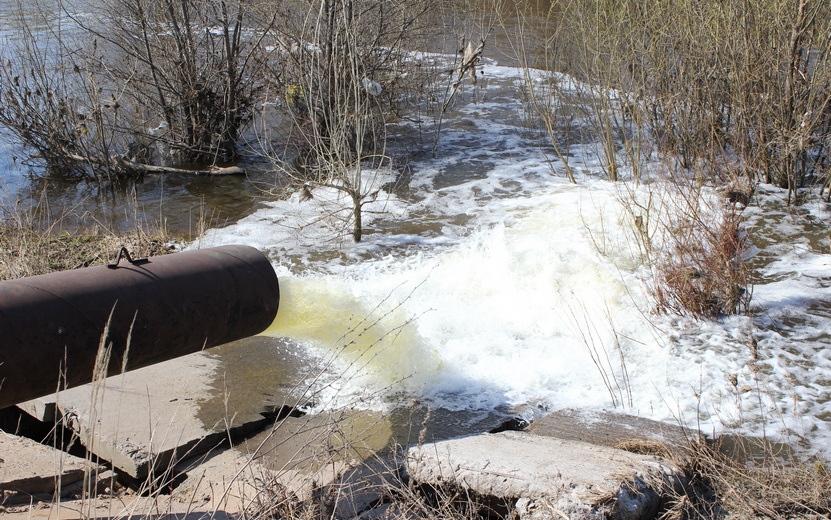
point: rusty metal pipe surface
(167, 306)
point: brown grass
(703, 274)
(769, 487)
(26, 250)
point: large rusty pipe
(51, 325)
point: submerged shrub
(703, 273)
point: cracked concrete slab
(142, 420)
(578, 479)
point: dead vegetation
(26, 250)
(716, 486)
(702, 273)
(765, 487)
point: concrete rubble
(122, 508)
(29, 470)
(154, 422)
(142, 420)
(545, 477)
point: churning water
(490, 282)
(493, 283)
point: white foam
(514, 287)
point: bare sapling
(344, 72)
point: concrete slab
(577, 479)
(142, 420)
(363, 487)
(614, 429)
(225, 480)
(29, 469)
(299, 455)
(146, 420)
(307, 443)
(43, 409)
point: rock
(555, 476)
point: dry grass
(26, 250)
(393, 497)
(769, 487)
(716, 486)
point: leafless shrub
(133, 83)
(191, 65)
(47, 104)
(703, 272)
(344, 71)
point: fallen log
(140, 168)
(212, 171)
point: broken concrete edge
(92, 484)
(254, 470)
(145, 421)
(235, 482)
(31, 471)
(536, 475)
(234, 491)
(139, 463)
(123, 507)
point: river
(489, 285)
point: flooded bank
(490, 283)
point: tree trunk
(357, 227)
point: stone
(556, 476)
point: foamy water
(510, 287)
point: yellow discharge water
(368, 335)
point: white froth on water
(508, 286)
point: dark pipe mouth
(150, 310)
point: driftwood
(139, 168)
(214, 170)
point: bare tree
(344, 70)
(164, 83)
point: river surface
(486, 283)
(492, 284)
